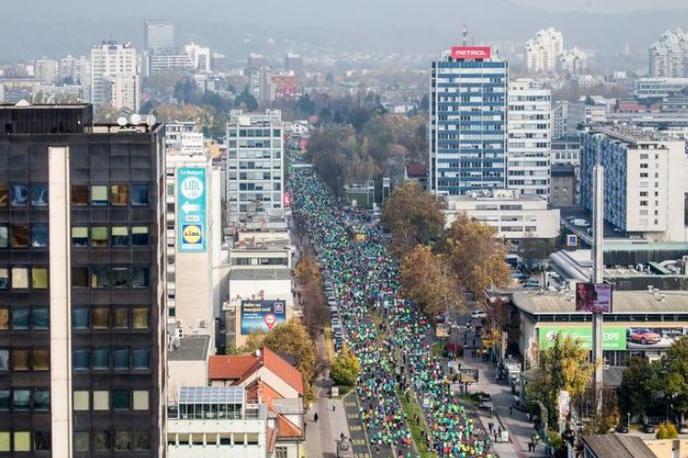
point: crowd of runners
(387, 333)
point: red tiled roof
(240, 367)
(285, 428)
(416, 170)
(230, 367)
(282, 369)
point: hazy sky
(35, 28)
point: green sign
(613, 337)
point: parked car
(478, 314)
(643, 336)
(683, 429)
(622, 429)
(649, 429)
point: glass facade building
(81, 297)
(468, 106)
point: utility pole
(598, 278)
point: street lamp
(629, 421)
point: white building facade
(543, 51)
(114, 76)
(529, 138)
(668, 57)
(255, 166)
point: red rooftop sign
(471, 52)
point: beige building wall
(185, 373)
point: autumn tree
(345, 368)
(307, 270)
(534, 251)
(563, 366)
(640, 382)
(427, 279)
(476, 255)
(413, 217)
(292, 338)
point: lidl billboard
(191, 210)
(613, 337)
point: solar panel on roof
(211, 395)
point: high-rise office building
(255, 166)
(114, 76)
(468, 98)
(644, 180)
(543, 51)
(529, 142)
(82, 335)
(668, 56)
(158, 36)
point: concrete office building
(46, 70)
(566, 150)
(255, 166)
(194, 235)
(199, 57)
(645, 181)
(158, 36)
(81, 285)
(529, 138)
(573, 61)
(668, 57)
(114, 76)
(543, 51)
(563, 186)
(468, 98)
(512, 216)
(658, 88)
(566, 117)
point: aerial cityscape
(344, 230)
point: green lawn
(411, 408)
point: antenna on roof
(464, 35)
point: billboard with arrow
(191, 210)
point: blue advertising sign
(261, 315)
(191, 209)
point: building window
(141, 401)
(40, 318)
(81, 400)
(39, 278)
(140, 318)
(80, 195)
(41, 360)
(80, 318)
(119, 277)
(101, 359)
(139, 277)
(80, 236)
(21, 400)
(19, 194)
(141, 440)
(20, 360)
(4, 278)
(41, 400)
(101, 400)
(139, 194)
(281, 452)
(4, 195)
(81, 441)
(100, 318)
(4, 236)
(39, 235)
(101, 440)
(41, 441)
(139, 236)
(22, 441)
(120, 359)
(4, 400)
(81, 360)
(20, 236)
(119, 195)
(20, 318)
(20, 278)
(80, 277)
(4, 318)
(120, 236)
(99, 195)
(39, 195)
(122, 440)
(99, 236)
(120, 318)
(100, 277)
(4, 360)
(120, 399)
(141, 359)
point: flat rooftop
(259, 274)
(191, 348)
(623, 302)
(631, 133)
